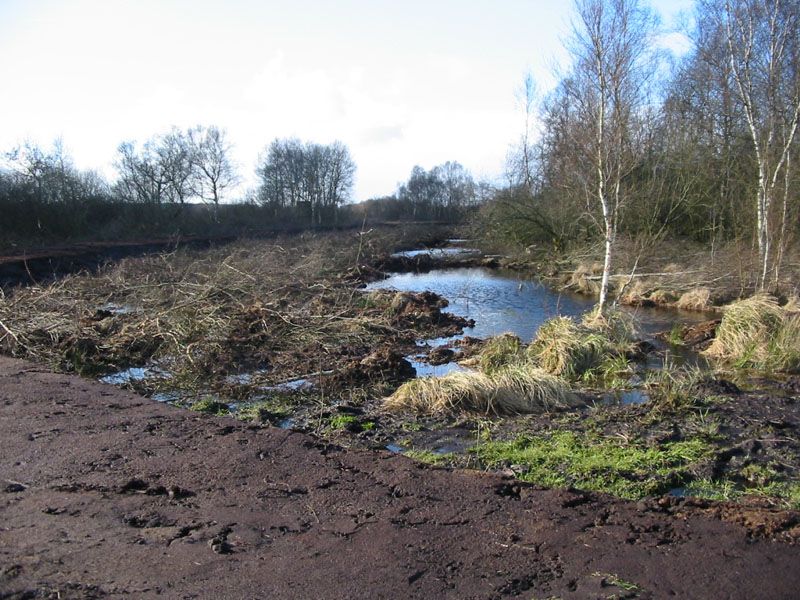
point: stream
(498, 302)
(502, 302)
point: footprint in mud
(147, 520)
(140, 486)
(219, 543)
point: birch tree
(762, 41)
(607, 88)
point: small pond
(501, 302)
(496, 300)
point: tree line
(178, 182)
(706, 152)
(182, 182)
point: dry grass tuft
(637, 293)
(696, 299)
(513, 390)
(758, 333)
(661, 297)
(500, 352)
(565, 349)
(792, 304)
(580, 280)
(572, 350)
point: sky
(400, 83)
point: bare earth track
(107, 494)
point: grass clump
(757, 333)
(429, 457)
(499, 352)
(565, 349)
(210, 406)
(512, 390)
(661, 297)
(673, 388)
(696, 299)
(595, 347)
(587, 461)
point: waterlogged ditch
(499, 302)
(669, 425)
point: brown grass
(513, 390)
(696, 299)
(204, 313)
(758, 333)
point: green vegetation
(588, 461)
(429, 457)
(277, 407)
(339, 422)
(352, 423)
(617, 581)
(673, 388)
(210, 406)
(787, 493)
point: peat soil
(43, 265)
(108, 494)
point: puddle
(497, 301)
(500, 302)
(438, 253)
(244, 378)
(134, 374)
(425, 369)
(395, 448)
(116, 309)
(167, 397)
(626, 397)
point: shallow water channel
(500, 302)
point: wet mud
(107, 494)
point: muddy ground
(108, 494)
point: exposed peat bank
(689, 420)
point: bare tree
(173, 160)
(141, 176)
(763, 42)
(213, 171)
(520, 161)
(315, 177)
(607, 89)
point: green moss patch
(629, 470)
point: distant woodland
(631, 142)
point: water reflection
(497, 302)
(500, 302)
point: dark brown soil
(107, 494)
(43, 265)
